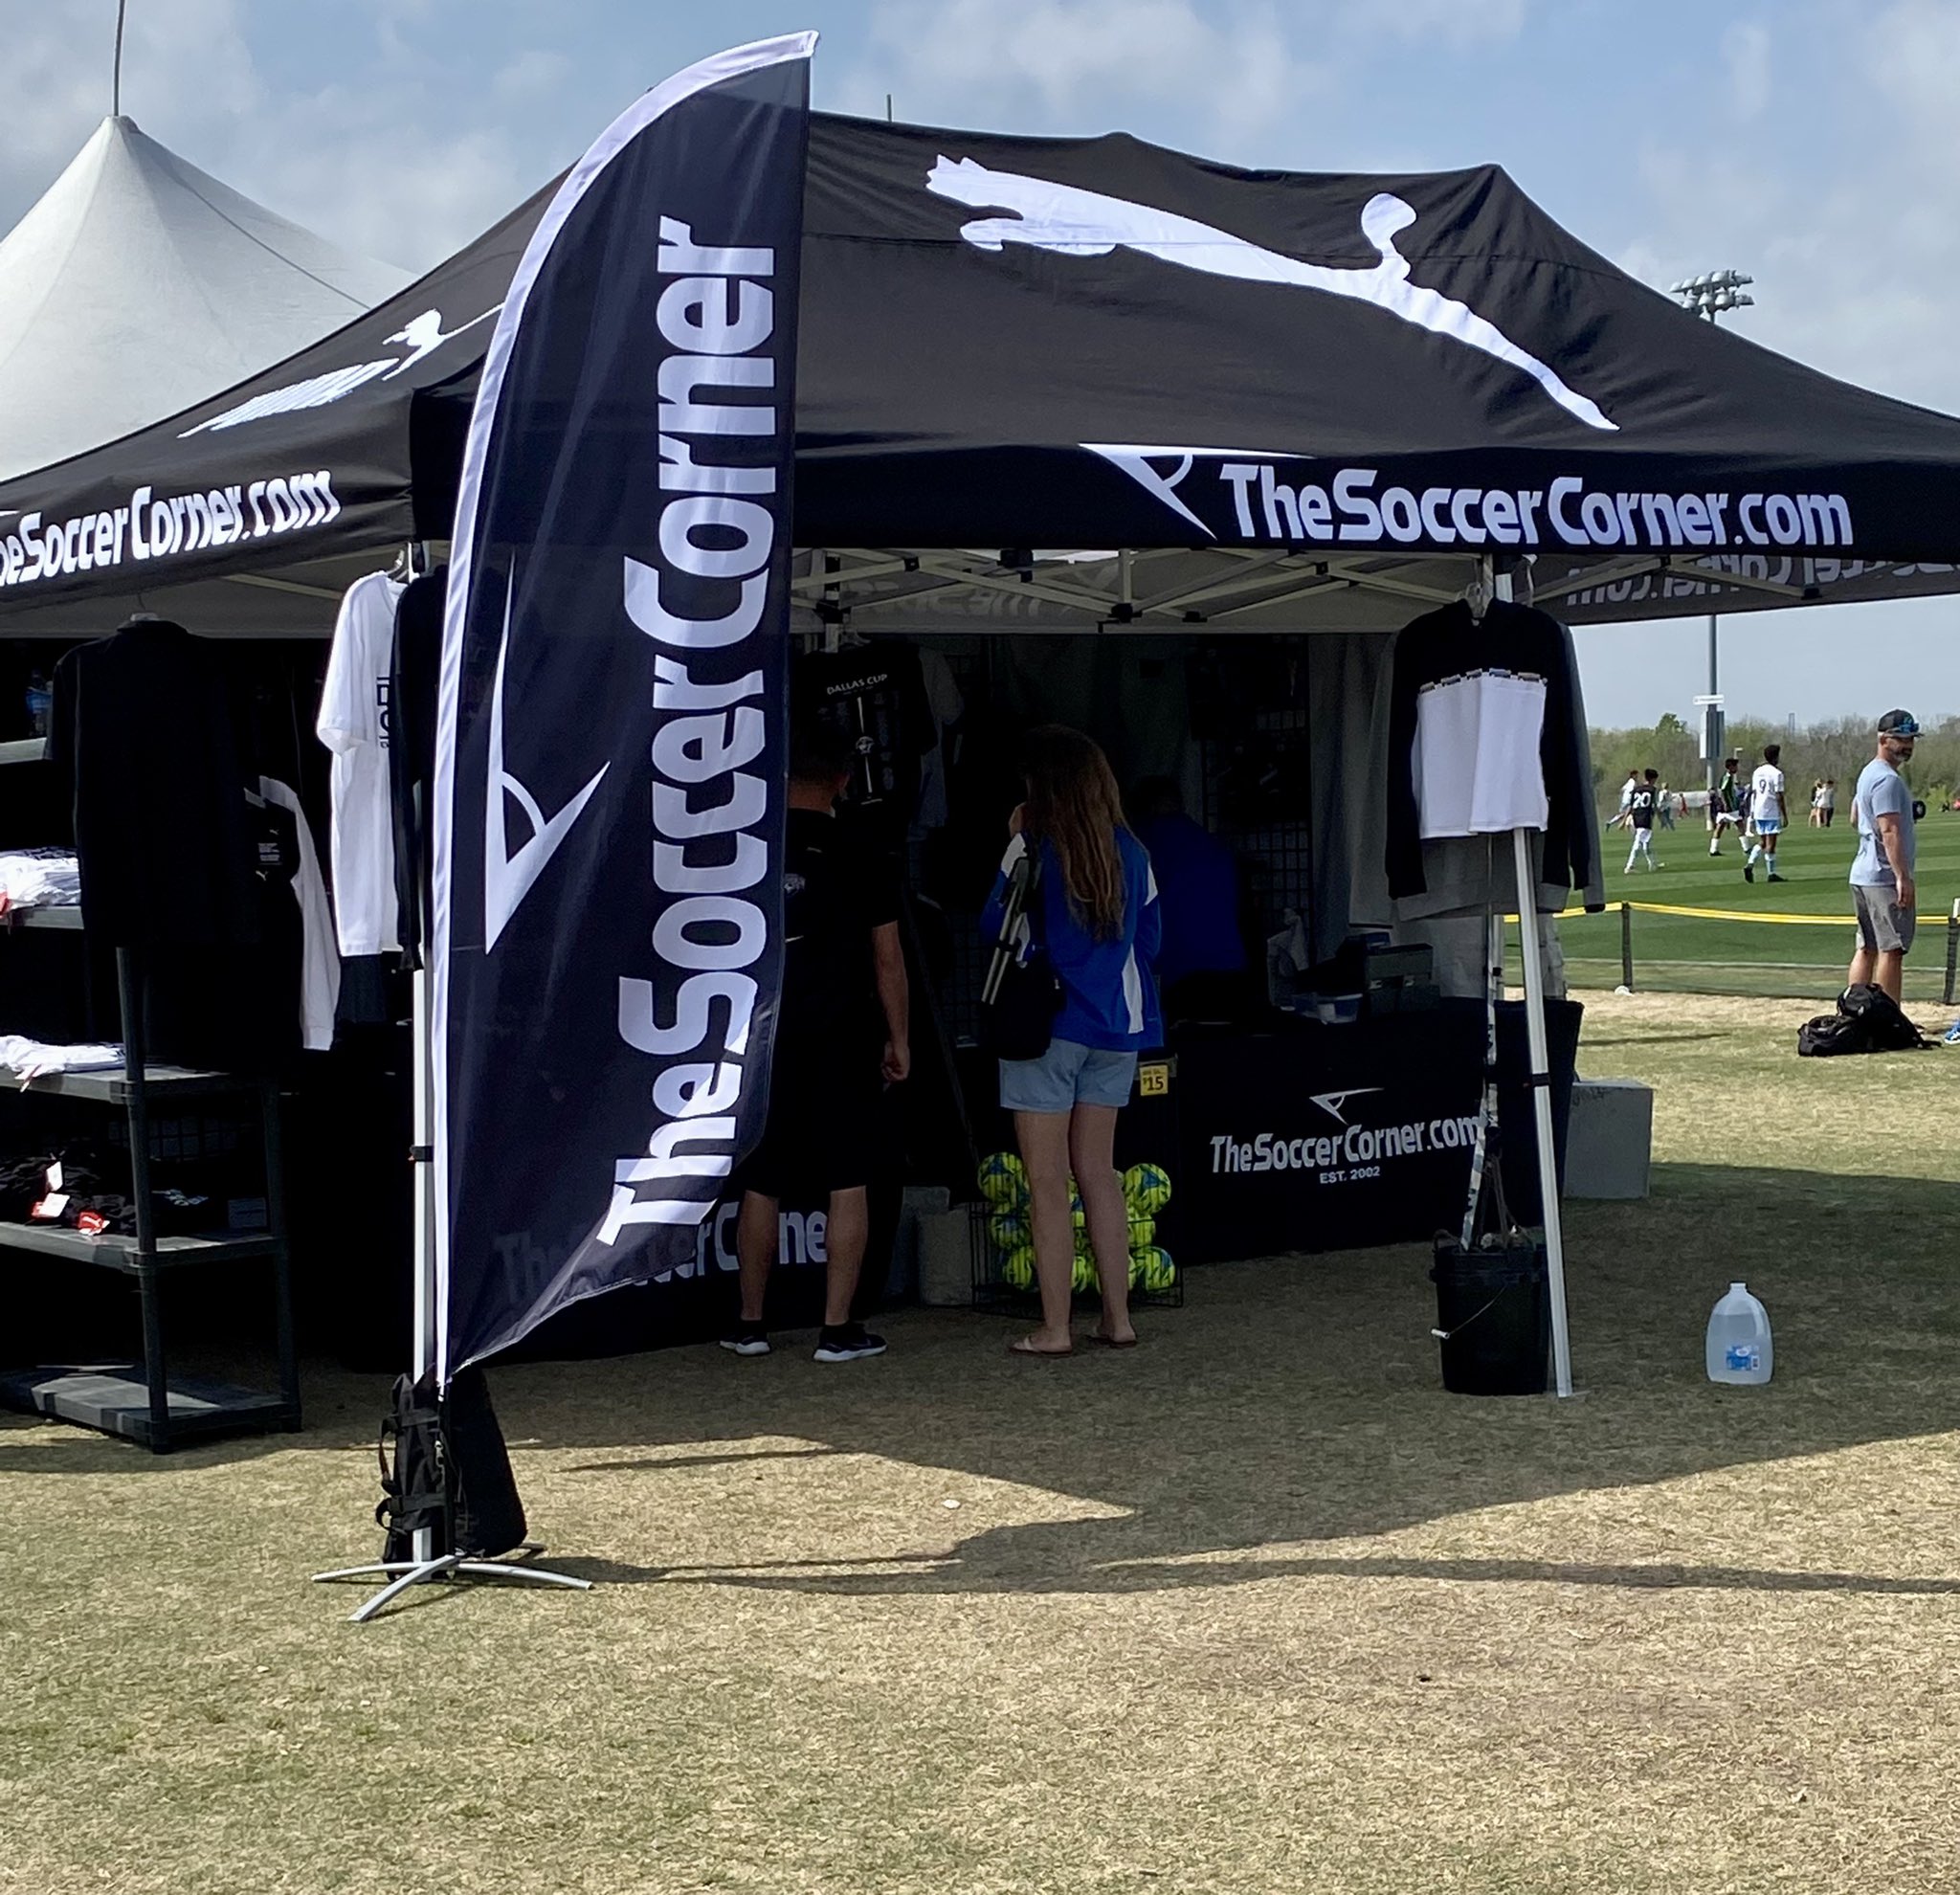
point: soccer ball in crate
(1004, 1245)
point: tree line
(1837, 749)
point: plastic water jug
(1739, 1347)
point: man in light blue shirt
(1882, 884)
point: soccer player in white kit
(1766, 804)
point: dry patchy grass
(1255, 1608)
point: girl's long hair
(1075, 807)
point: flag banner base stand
(428, 1567)
(449, 1567)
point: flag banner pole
(592, 1032)
(611, 743)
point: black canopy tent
(1274, 402)
(1277, 402)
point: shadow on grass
(1292, 1400)
(1594, 1040)
(965, 1574)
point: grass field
(1255, 1608)
(1690, 954)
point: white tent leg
(1541, 1102)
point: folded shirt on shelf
(40, 879)
(32, 1059)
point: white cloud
(1850, 219)
(1745, 50)
(531, 74)
(385, 155)
(1456, 22)
(1020, 63)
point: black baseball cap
(1898, 723)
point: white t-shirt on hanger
(353, 725)
(1476, 761)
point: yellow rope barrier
(1844, 921)
(1712, 914)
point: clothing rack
(1539, 1077)
(140, 1402)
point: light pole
(1710, 296)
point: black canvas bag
(450, 1473)
(1022, 995)
(488, 1515)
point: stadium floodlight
(1713, 294)
(1716, 293)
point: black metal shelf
(144, 1405)
(66, 918)
(115, 1399)
(112, 1086)
(119, 1251)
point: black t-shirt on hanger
(413, 687)
(144, 743)
(874, 693)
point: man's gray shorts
(1881, 925)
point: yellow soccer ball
(1010, 1231)
(1083, 1275)
(1143, 1233)
(1004, 1181)
(1145, 1189)
(1160, 1272)
(1018, 1267)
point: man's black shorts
(822, 1131)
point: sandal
(1023, 1347)
(1114, 1342)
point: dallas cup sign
(611, 748)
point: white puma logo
(425, 335)
(1073, 222)
(508, 878)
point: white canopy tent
(139, 285)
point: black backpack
(451, 1472)
(1867, 1020)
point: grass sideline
(1687, 954)
(1254, 1608)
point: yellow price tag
(1154, 1080)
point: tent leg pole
(1541, 1103)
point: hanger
(1482, 589)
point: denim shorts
(1066, 1076)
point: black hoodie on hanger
(146, 748)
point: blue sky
(1812, 142)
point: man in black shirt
(844, 993)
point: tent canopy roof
(1007, 342)
(138, 284)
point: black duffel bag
(1867, 1020)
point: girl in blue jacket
(1100, 925)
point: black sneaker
(847, 1342)
(747, 1338)
(1748, 873)
(1774, 877)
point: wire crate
(995, 1292)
